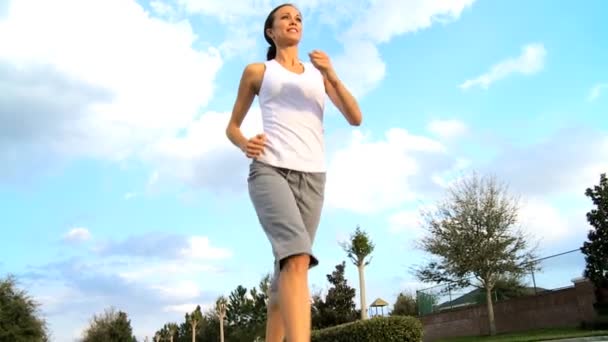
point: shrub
(393, 328)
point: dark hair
(272, 49)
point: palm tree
(220, 307)
(193, 319)
(172, 329)
(358, 248)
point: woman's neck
(288, 56)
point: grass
(538, 335)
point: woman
(287, 173)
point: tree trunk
(362, 291)
(490, 311)
(193, 332)
(222, 328)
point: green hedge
(392, 328)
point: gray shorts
(288, 205)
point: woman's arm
(248, 88)
(343, 100)
(335, 89)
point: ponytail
(272, 52)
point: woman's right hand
(255, 146)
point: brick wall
(554, 309)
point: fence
(550, 273)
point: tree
(596, 248)
(172, 329)
(473, 235)
(193, 319)
(246, 311)
(358, 249)
(169, 332)
(220, 307)
(338, 306)
(405, 305)
(19, 316)
(112, 325)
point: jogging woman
(287, 173)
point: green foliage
(112, 325)
(338, 306)
(426, 302)
(472, 235)
(386, 329)
(245, 318)
(359, 247)
(246, 312)
(596, 248)
(169, 332)
(19, 317)
(405, 305)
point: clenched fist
(321, 61)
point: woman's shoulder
(253, 74)
(255, 69)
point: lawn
(539, 335)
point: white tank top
(292, 108)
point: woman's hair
(272, 49)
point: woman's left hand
(322, 62)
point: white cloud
(73, 287)
(125, 84)
(531, 61)
(384, 19)
(203, 156)
(247, 9)
(127, 90)
(596, 91)
(370, 175)
(171, 247)
(360, 25)
(199, 247)
(163, 8)
(189, 307)
(581, 158)
(447, 129)
(179, 290)
(542, 221)
(78, 234)
(237, 10)
(377, 22)
(409, 222)
(349, 66)
(342, 237)
(147, 270)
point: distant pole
(534, 281)
(450, 295)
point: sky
(118, 186)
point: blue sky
(120, 188)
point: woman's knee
(296, 263)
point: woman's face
(287, 26)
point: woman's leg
(275, 328)
(279, 215)
(294, 298)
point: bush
(393, 328)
